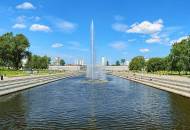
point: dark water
(72, 104)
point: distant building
(56, 61)
(103, 61)
(24, 61)
(79, 62)
(68, 68)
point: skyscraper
(104, 61)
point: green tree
(107, 63)
(122, 61)
(155, 64)
(137, 63)
(49, 60)
(13, 49)
(62, 62)
(179, 57)
(44, 62)
(29, 61)
(20, 46)
(6, 48)
(38, 62)
(117, 63)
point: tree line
(177, 60)
(15, 48)
(119, 62)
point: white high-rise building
(104, 61)
(79, 62)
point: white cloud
(119, 45)
(146, 27)
(144, 50)
(178, 40)
(21, 19)
(120, 27)
(154, 39)
(118, 18)
(57, 45)
(25, 5)
(40, 27)
(66, 26)
(24, 19)
(35, 18)
(20, 22)
(131, 40)
(19, 26)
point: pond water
(74, 104)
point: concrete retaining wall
(67, 68)
(181, 88)
(7, 87)
(116, 68)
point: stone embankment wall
(18, 84)
(68, 68)
(116, 68)
(177, 85)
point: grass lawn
(13, 73)
(19, 73)
(186, 74)
(174, 73)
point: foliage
(117, 63)
(62, 62)
(179, 57)
(155, 64)
(178, 60)
(137, 63)
(13, 49)
(122, 61)
(107, 63)
(38, 62)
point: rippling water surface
(73, 104)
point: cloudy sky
(123, 28)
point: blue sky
(123, 28)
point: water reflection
(12, 112)
(72, 104)
(180, 109)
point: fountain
(94, 73)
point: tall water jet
(94, 72)
(92, 51)
(91, 67)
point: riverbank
(10, 85)
(175, 84)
